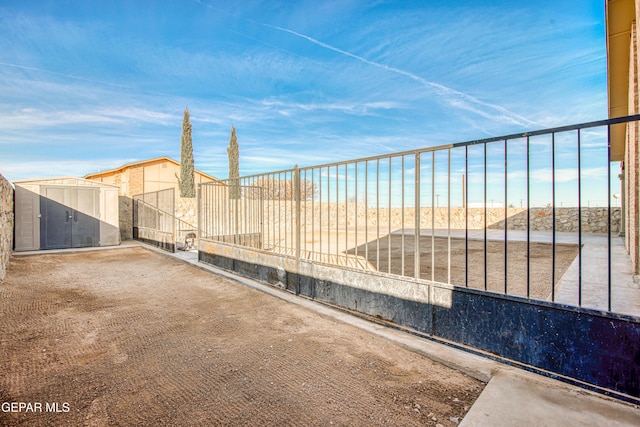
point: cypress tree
(234, 165)
(186, 180)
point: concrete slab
(590, 278)
(517, 398)
(123, 244)
(625, 289)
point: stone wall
(341, 215)
(125, 206)
(594, 220)
(187, 210)
(6, 224)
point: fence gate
(155, 222)
(232, 214)
(153, 219)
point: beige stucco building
(146, 176)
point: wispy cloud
(361, 108)
(27, 169)
(305, 83)
(66, 76)
(29, 118)
(455, 98)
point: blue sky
(91, 85)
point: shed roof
(65, 180)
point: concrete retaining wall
(592, 349)
(6, 224)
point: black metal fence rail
(502, 246)
(511, 214)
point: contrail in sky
(441, 89)
(68, 76)
(455, 98)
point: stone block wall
(341, 215)
(594, 220)
(6, 224)
(187, 210)
(125, 212)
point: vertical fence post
(328, 214)
(337, 214)
(402, 217)
(449, 216)
(579, 223)
(199, 214)
(433, 216)
(416, 230)
(346, 213)
(236, 219)
(356, 202)
(553, 217)
(389, 221)
(528, 219)
(465, 189)
(609, 218)
(366, 212)
(174, 225)
(296, 182)
(378, 214)
(506, 215)
(485, 215)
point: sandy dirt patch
(470, 270)
(131, 337)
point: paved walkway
(594, 280)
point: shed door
(85, 225)
(69, 217)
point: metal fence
(512, 214)
(232, 214)
(155, 221)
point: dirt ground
(540, 265)
(132, 337)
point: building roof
(142, 163)
(620, 15)
(64, 181)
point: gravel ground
(131, 337)
(540, 265)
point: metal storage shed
(65, 212)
